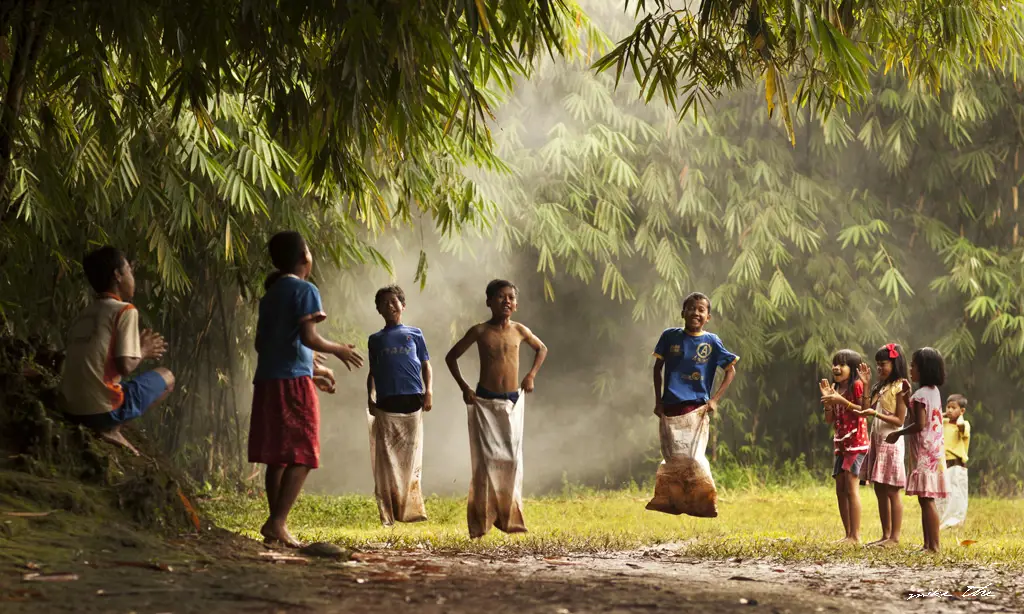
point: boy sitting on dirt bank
(496, 412)
(104, 345)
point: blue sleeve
(371, 355)
(308, 303)
(723, 357)
(421, 346)
(662, 347)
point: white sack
(396, 459)
(953, 509)
(683, 484)
(496, 452)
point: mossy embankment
(63, 490)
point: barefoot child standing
(884, 466)
(103, 346)
(957, 438)
(925, 446)
(842, 400)
(284, 431)
(496, 412)
(400, 375)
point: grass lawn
(798, 524)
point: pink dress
(885, 462)
(926, 449)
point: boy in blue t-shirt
(399, 363)
(689, 357)
(284, 428)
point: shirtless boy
(498, 340)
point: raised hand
(152, 345)
(350, 356)
(864, 372)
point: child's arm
(659, 367)
(346, 353)
(538, 346)
(428, 386)
(370, 390)
(899, 417)
(730, 374)
(916, 426)
(452, 360)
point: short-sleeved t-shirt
(105, 330)
(288, 303)
(397, 354)
(851, 436)
(956, 442)
(690, 364)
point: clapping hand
(152, 345)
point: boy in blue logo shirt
(399, 363)
(689, 357)
(401, 377)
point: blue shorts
(139, 394)
(484, 393)
(851, 462)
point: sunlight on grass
(778, 524)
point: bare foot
(877, 542)
(114, 436)
(851, 540)
(278, 535)
(889, 543)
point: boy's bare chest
(500, 344)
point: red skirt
(285, 425)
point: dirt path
(229, 574)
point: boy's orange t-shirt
(107, 329)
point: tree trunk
(35, 25)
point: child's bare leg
(844, 508)
(884, 513)
(930, 524)
(292, 479)
(853, 502)
(114, 436)
(896, 509)
(272, 484)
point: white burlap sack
(496, 452)
(953, 509)
(396, 459)
(684, 484)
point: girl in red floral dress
(925, 446)
(842, 400)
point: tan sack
(396, 459)
(496, 452)
(683, 484)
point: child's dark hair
(287, 251)
(392, 289)
(931, 368)
(850, 359)
(497, 285)
(899, 365)
(100, 265)
(959, 399)
(696, 296)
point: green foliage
(694, 53)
